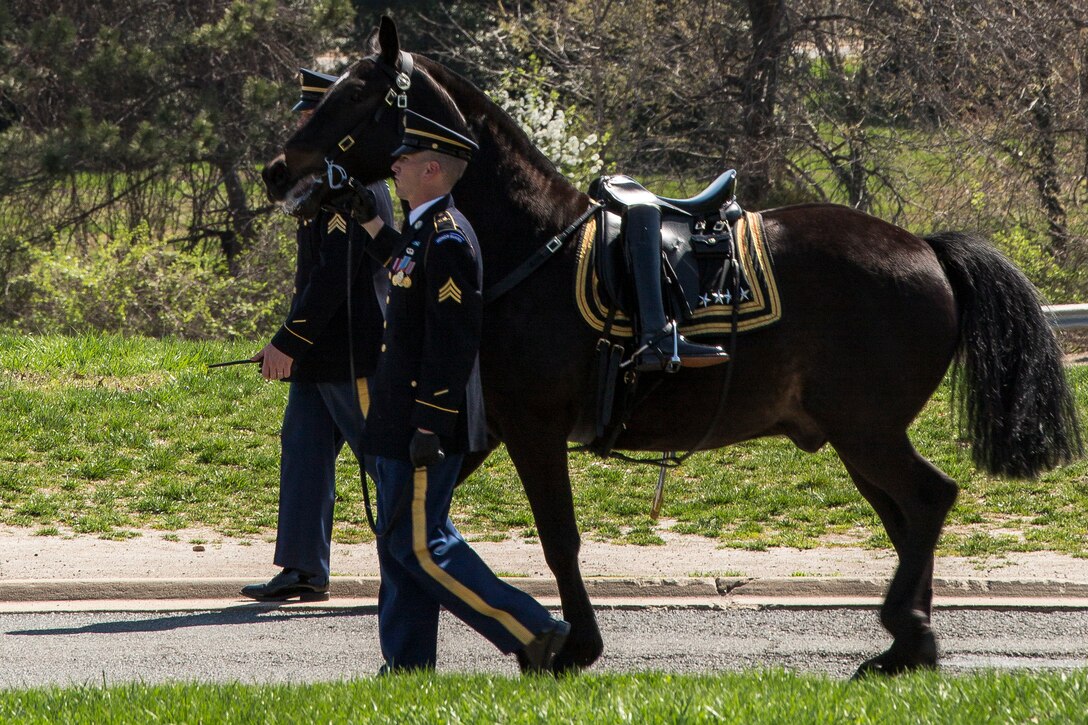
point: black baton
(232, 362)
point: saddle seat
(718, 193)
(620, 191)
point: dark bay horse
(873, 316)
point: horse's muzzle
(303, 200)
(298, 197)
(277, 179)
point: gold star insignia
(337, 222)
(450, 291)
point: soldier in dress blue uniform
(427, 412)
(327, 400)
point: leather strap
(538, 258)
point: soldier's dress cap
(425, 134)
(313, 87)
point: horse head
(354, 129)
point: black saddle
(623, 191)
(696, 240)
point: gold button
(385, 324)
(387, 299)
(383, 347)
(413, 383)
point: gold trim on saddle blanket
(761, 308)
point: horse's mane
(489, 116)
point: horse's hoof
(573, 658)
(579, 653)
(560, 666)
(566, 662)
(900, 658)
(876, 666)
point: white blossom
(553, 133)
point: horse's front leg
(539, 453)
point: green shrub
(1030, 252)
(133, 285)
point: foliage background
(132, 131)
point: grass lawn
(751, 697)
(110, 435)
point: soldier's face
(410, 175)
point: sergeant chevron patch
(337, 222)
(450, 291)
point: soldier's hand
(425, 449)
(275, 364)
(357, 200)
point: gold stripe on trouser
(364, 396)
(459, 590)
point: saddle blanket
(712, 315)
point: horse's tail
(1009, 388)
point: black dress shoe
(288, 584)
(539, 655)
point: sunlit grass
(752, 697)
(107, 436)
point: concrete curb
(599, 588)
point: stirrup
(671, 364)
(674, 362)
(641, 361)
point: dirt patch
(179, 556)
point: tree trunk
(240, 232)
(759, 96)
(1045, 174)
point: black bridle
(400, 80)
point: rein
(336, 176)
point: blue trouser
(319, 419)
(425, 563)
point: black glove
(358, 200)
(425, 449)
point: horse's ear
(388, 41)
(371, 44)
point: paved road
(257, 643)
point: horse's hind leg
(912, 498)
(540, 457)
(895, 524)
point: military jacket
(315, 332)
(428, 372)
